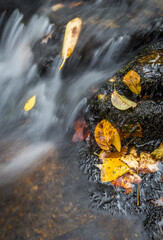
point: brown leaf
(70, 39)
(126, 181)
(121, 102)
(82, 132)
(110, 154)
(132, 80)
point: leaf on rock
(144, 163)
(158, 153)
(111, 169)
(132, 80)
(126, 181)
(121, 102)
(30, 103)
(110, 154)
(82, 132)
(104, 134)
(116, 142)
(70, 39)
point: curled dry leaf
(121, 102)
(126, 181)
(158, 153)
(57, 7)
(70, 39)
(104, 133)
(30, 103)
(111, 169)
(144, 164)
(132, 80)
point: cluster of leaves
(117, 167)
(132, 80)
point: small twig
(114, 193)
(138, 203)
(96, 154)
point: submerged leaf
(104, 134)
(132, 80)
(121, 102)
(158, 153)
(30, 103)
(70, 39)
(111, 169)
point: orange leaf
(75, 4)
(126, 181)
(109, 154)
(70, 39)
(132, 80)
(104, 134)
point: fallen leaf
(70, 39)
(30, 103)
(104, 134)
(45, 40)
(57, 7)
(132, 80)
(112, 80)
(121, 102)
(126, 181)
(111, 169)
(82, 132)
(110, 154)
(102, 97)
(158, 153)
(116, 142)
(75, 4)
(158, 202)
(144, 164)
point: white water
(58, 99)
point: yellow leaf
(116, 142)
(110, 154)
(70, 39)
(57, 7)
(121, 102)
(111, 169)
(30, 103)
(158, 153)
(102, 97)
(132, 80)
(104, 133)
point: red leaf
(82, 132)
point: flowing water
(111, 35)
